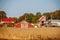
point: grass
(43, 33)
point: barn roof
(7, 20)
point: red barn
(30, 25)
(7, 20)
(24, 24)
(18, 25)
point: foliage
(2, 15)
(15, 20)
(34, 20)
(31, 18)
(21, 18)
(53, 15)
(28, 17)
(47, 15)
(38, 15)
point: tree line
(31, 18)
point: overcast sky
(19, 7)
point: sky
(16, 8)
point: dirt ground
(43, 33)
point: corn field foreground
(43, 33)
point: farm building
(7, 20)
(41, 21)
(24, 24)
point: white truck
(53, 22)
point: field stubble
(43, 33)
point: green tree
(38, 15)
(2, 15)
(21, 18)
(53, 15)
(34, 19)
(28, 17)
(15, 20)
(48, 15)
(57, 12)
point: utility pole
(25, 18)
(51, 16)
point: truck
(53, 23)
